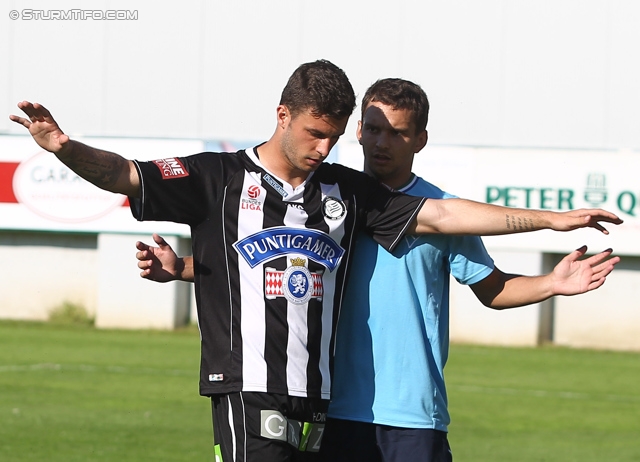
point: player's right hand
(42, 127)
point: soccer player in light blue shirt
(388, 400)
(393, 334)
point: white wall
(125, 300)
(472, 322)
(41, 271)
(541, 73)
(608, 318)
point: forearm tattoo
(519, 223)
(102, 168)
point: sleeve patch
(171, 168)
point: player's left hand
(574, 276)
(160, 264)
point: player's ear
(283, 116)
(359, 131)
(421, 141)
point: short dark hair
(400, 94)
(321, 87)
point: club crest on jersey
(333, 208)
(267, 244)
(297, 284)
(171, 168)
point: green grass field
(80, 394)
(544, 404)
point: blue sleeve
(469, 260)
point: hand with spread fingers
(574, 276)
(42, 127)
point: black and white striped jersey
(270, 261)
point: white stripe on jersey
(297, 352)
(254, 366)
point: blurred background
(533, 104)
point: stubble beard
(292, 157)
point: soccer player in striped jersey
(272, 229)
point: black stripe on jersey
(276, 325)
(313, 201)
(229, 318)
(232, 207)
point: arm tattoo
(519, 223)
(102, 169)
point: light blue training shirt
(393, 332)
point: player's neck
(403, 183)
(393, 182)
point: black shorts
(350, 441)
(263, 427)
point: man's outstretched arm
(461, 216)
(571, 276)
(161, 264)
(104, 169)
(499, 290)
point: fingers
(141, 245)
(611, 218)
(159, 240)
(574, 256)
(603, 215)
(601, 267)
(20, 120)
(145, 252)
(29, 109)
(601, 257)
(578, 253)
(604, 268)
(592, 271)
(593, 218)
(600, 228)
(35, 113)
(596, 284)
(592, 222)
